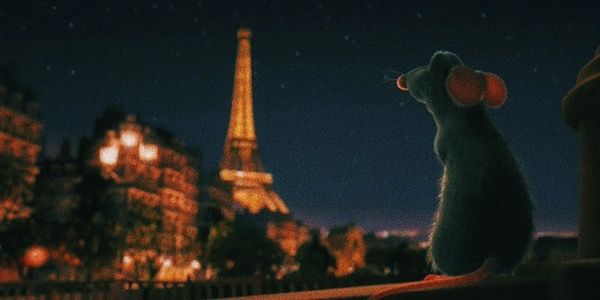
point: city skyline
(342, 143)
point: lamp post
(129, 142)
(120, 156)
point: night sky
(343, 144)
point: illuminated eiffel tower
(241, 167)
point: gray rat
(483, 224)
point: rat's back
(485, 208)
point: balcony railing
(568, 280)
(219, 288)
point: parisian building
(158, 178)
(20, 130)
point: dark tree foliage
(240, 248)
(208, 217)
(14, 239)
(314, 259)
(398, 257)
(385, 254)
(97, 232)
(53, 207)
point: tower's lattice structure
(241, 166)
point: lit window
(167, 262)
(195, 264)
(148, 152)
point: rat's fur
(485, 208)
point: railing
(134, 290)
(554, 280)
(577, 279)
(566, 280)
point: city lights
(148, 152)
(36, 256)
(129, 132)
(127, 259)
(129, 138)
(109, 155)
(167, 262)
(195, 265)
(141, 163)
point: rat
(483, 225)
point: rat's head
(446, 82)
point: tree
(239, 248)
(96, 233)
(314, 259)
(55, 198)
(396, 256)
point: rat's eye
(401, 83)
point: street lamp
(148, 152)
(124, 157)
(129, 140)
(35, 256)
(109, 154)
(129, 132)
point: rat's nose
(401, 83)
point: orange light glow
(167, 262)
(195, 265)
(109, 155)
(127, 259)
(148, 152)
(35, 256)
(401, 83)
(129, 137)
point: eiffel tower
(241, 167)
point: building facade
(20, 130)
(158, 179)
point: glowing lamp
(109, 155)
(35, 256)
(129, 137)
(148, 152)
(195, 265)
(129, 132)
(167, 262)
(127, 259)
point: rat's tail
(489, 267)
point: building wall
(167, 185)
(20, 131)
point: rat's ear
(495, 90)
(465, 86)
